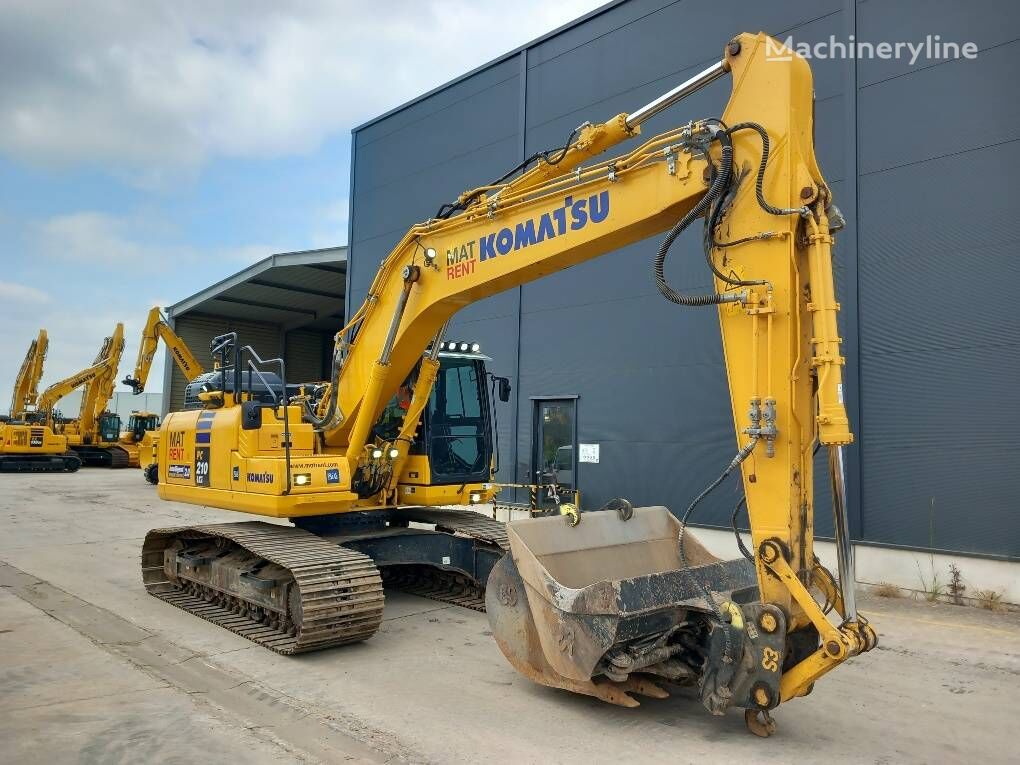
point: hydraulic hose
(736, 532)
(719, 185)
(711, 222)
(742, 455)
(334, 394)
(760, 180)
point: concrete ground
(94, 670)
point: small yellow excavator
(94, 434)
(141, 434)
(612, 602)
(27, 442)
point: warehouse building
(621, 393)
(286, 306)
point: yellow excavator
(27, 442)
(612, 602)
(95, 433)
(141, 434)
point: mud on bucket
(604, 608)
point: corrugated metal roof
(293, 289)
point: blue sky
(150, 149)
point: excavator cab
(108, 428)
(138, 424)
(456, 430)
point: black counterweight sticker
(202, 466)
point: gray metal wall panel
(409, 164)
(987, 23)
(432, 108)
(902, 122)
(940, 353)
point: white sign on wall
(588, 453)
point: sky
(150, 149)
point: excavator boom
(94, 434)
(26, 386)
(51, 395)
(27, 440)
(156, 329)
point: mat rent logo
(573, 214)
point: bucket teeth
(619, 692)
(614, 693)
(645, 688)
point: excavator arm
(98, 391)
(26, 386)
(97, 380)
(156, 328)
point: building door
(554, 450)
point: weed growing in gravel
(990, 599)
(887, 590)
(956, 586)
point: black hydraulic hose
(733, 524)
(742, 455)
(448, 209)
(334, 395)
(719, 185)
(711, 222)
(760, 180)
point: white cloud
(152, 90)
(98, 239)
(87, 237)
(23, 294)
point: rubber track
(341, 590)
(427, 582)
(435, 584)
(113, 457)
(56, 463)
(119, 458)
(465, 522)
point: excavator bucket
(607, 607)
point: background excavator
(141, 433)
(27, 442)
(94, 434)
(26, 386)
(607, 603)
